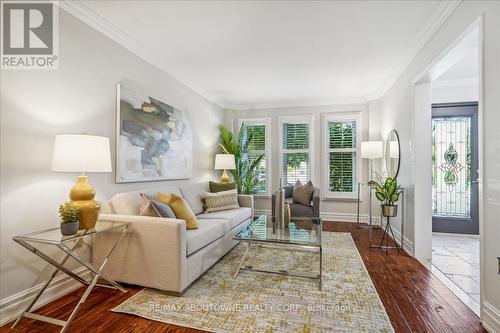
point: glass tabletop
(54, 236)
(300, 231)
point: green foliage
(246, 172)
(69, 213)
(388, 192)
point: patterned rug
(260, 302)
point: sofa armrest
(316, 201)
(246, 200)
(152, 253)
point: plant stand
(388, 230)
(387, 247)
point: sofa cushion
(234, 216)
(127, 203)
(208, 231)
(219, 187)
(224, 200)
(131, 203)
(180, 208)
(193, 194)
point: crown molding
(438, 19)
(297, 104)
(81, 11)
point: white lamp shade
(224, 162)
(394, 149)
(81, 153)
(372, 149)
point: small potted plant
(388, 194)
(69, 218)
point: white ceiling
(259, 54)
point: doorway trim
(422, 115)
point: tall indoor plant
(246, 172)
(388, 194)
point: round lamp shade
(224, 162)
(81, 153)
(372, 149)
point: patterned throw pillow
(148, 209)
(180, 208)
(219, 187)
(216, 202)
(302, 194)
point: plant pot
(68, 229)
(389, 210)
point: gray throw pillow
(163, 209)
(302, 194)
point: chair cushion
(208, 231)
(193, 194)
(234, 216)
(298, 210)
(181, 209)
(302, 194)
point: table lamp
(224, 162)
(371, 150)
(82, 153)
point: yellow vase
(82, 196)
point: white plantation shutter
(341, 155)
(259, 145)
(295, 147)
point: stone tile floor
(455, 261)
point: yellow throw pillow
(181, 209)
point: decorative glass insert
(451, 166)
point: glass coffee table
(301, 233)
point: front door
(455, 168)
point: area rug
(261, 302)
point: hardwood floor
(414, 299)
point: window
(295, 149)
(260, 131)
(341, 157)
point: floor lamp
(371, 150)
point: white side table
(69, 245)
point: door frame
(439, 110)
(422, 242)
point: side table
(69, 245)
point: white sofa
(159, 252)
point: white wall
(330, 208)
(454, 92)
(78, 97)
(397, 112)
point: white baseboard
(337, 217)
(490, 318)
(11, 307)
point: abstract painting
(154, 139)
